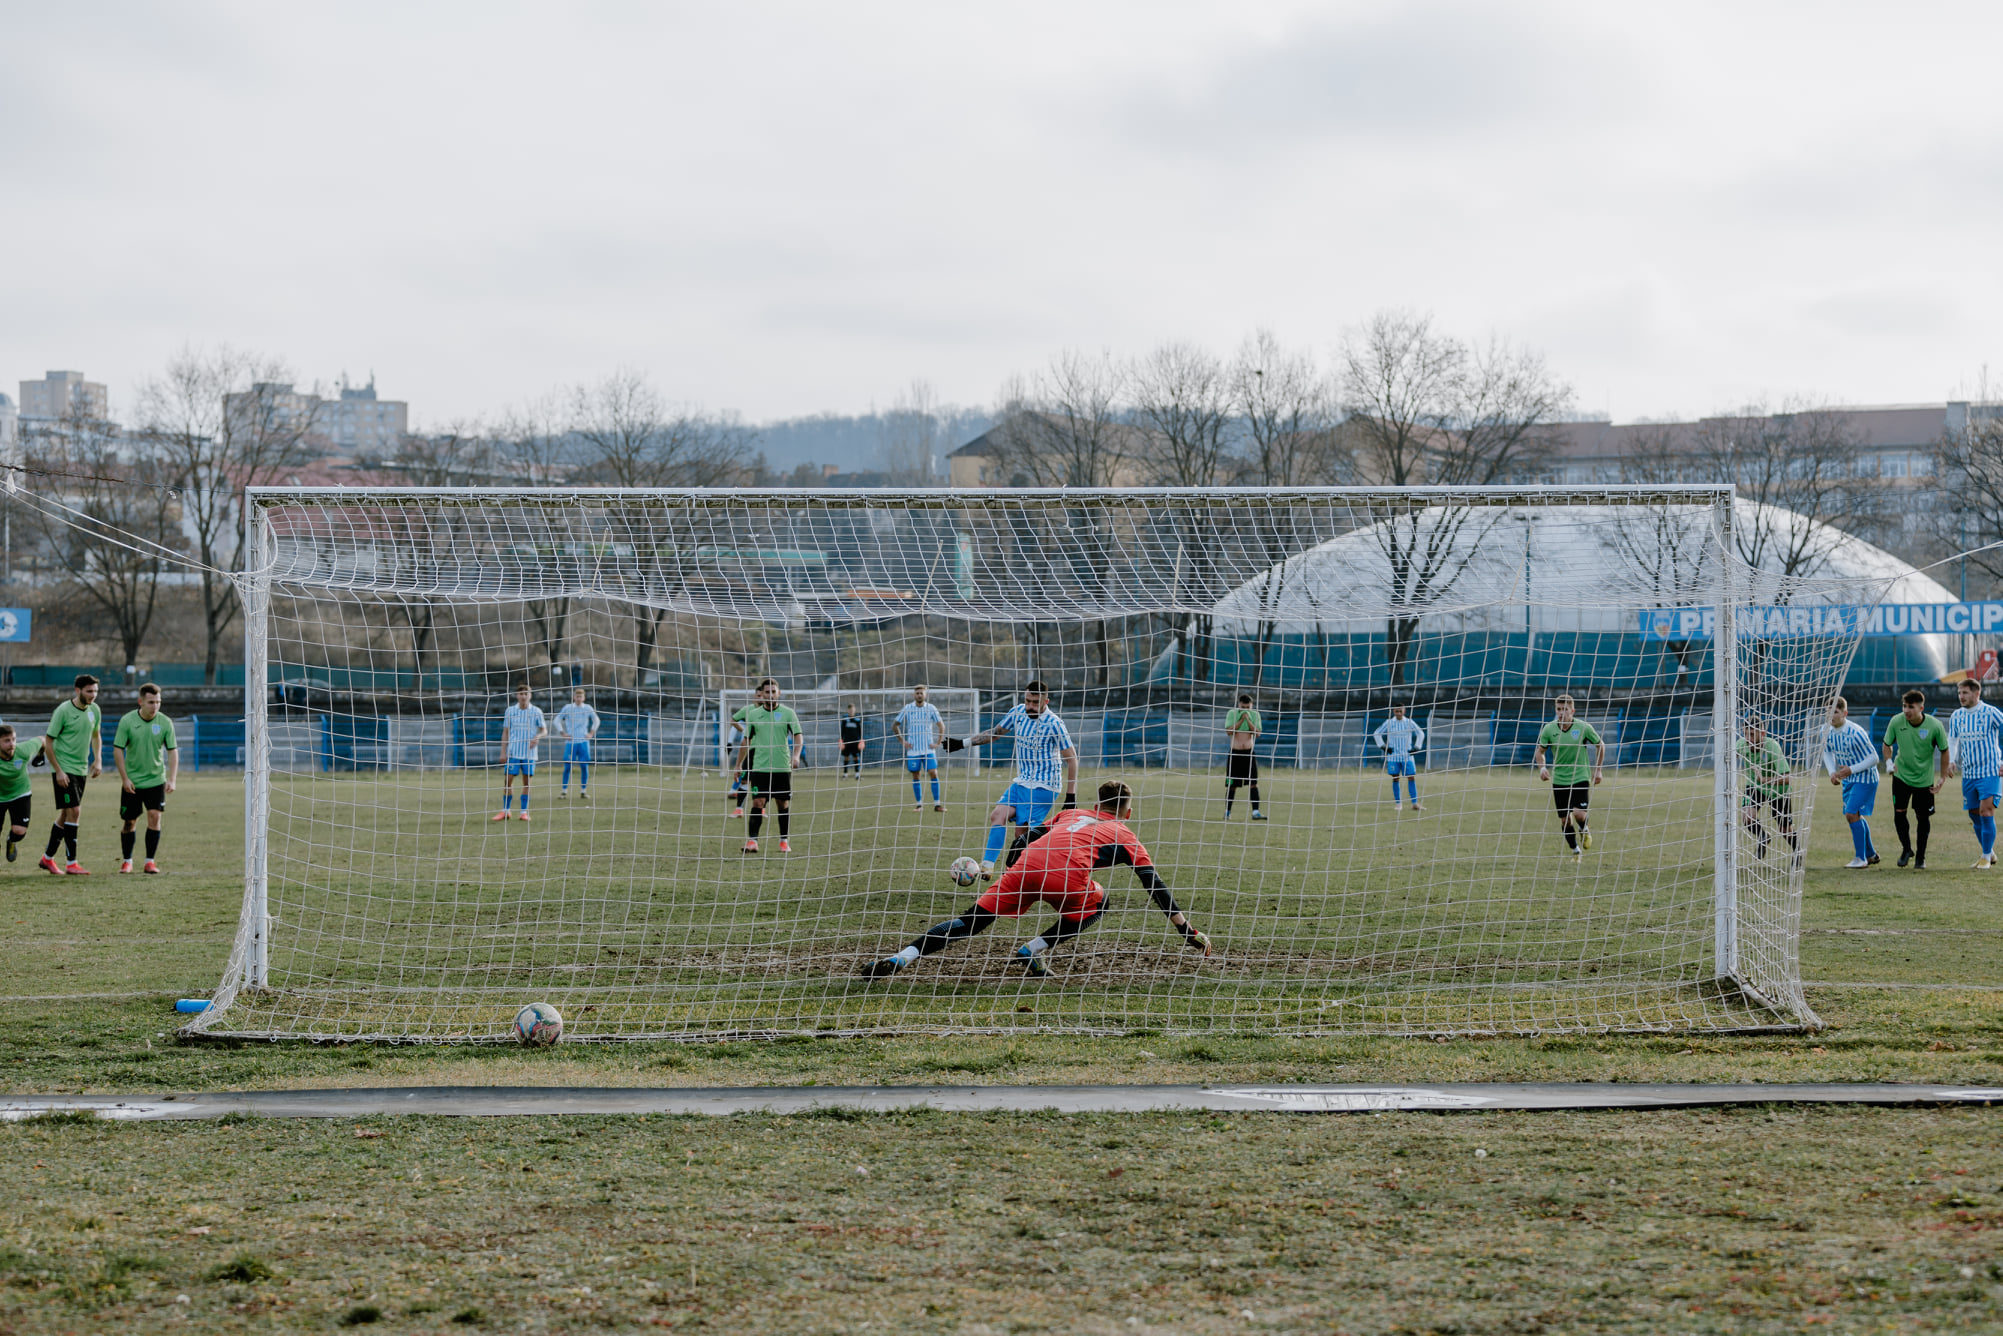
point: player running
(1763, 761)
(1041, 741)
(919, 728)
(1398, 737)
(143, 738)
(17, 792)
(852, 743)
(76, 755)
(578, 723)
(1567, 738)
(770, 752)
(1852, 763)
(524, 727)
(1242, 726)
(1916, 748)
(1057, 869)
(1975, 732)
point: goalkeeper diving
(1057, 869)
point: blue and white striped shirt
(1038, 740)
(1400, 737)
(1976, 735)
(1850, 745)
(521, 725)
(922, 726)
(577, 722)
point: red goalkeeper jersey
(1075, 843)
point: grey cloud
(1409, 72)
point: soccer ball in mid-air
(964, 872)
(538, 1025)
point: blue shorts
(579, 752)
(519, 766)
(921, 761)
(1973, 791)
(1859, 799)
(1399, 765)
(1032, 806)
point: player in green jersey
(1916, 747)
(76, 754)
(771, 752)
(17, 797)
(1763, 762)
(1567, 737)
(149, 763)
(1242, 726)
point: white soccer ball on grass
(538, 1025)
(964, 872)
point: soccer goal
(1649, 881)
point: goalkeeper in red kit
(1057, 869)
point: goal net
(388, 630)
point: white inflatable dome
(1558, 568)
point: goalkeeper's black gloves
(1070, 801)
(955, 744)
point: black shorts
(69, 790)
(150, 799)
(1571, 797)
(772, 783)
(1241, 767)
(1782, 805)
(851, 749)
(19, 810)
(1919, 796)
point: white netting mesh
(391, 627)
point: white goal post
(388, 629)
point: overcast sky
(783, 209)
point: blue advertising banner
(1790, 623)
(14, 623)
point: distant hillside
(853, 443)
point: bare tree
(1183, 405)
(1427, 409)
(1066, 427)
(461, 454)
(1289, 408)
(909, 434)
(1967, 513)
(115, 526)
(1800, 466)
(1664, 545)
(1289, 411)
(216, 423)
(630, 437)
(532, 441)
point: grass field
(639, 915)
(1753, 1220)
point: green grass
(1743, 1221)
(1752, 1220)
(402, 909)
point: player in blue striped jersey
(1975, 734)
(1398, 737)
(523, 727)
(578, 723)
(1042, 749)
(1852, 761)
